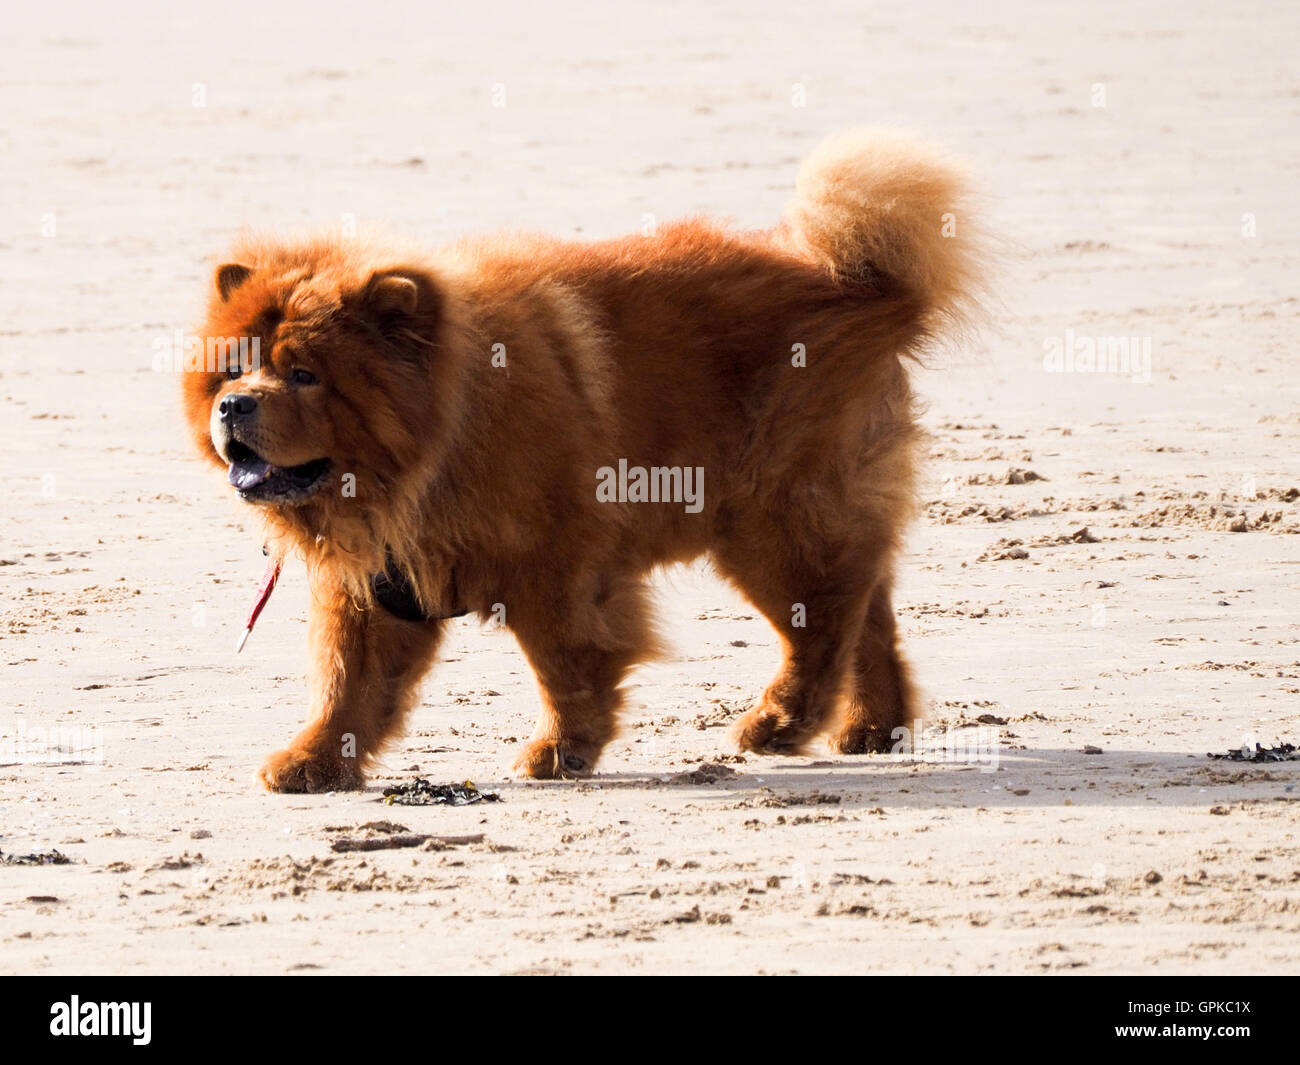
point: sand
(1141, 167)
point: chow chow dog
(436, 434)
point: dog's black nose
(236, 406)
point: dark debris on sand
(1283, 752)
(48, 858)
(420, 792)
(705, 773)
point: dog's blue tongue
(249, 473)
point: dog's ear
(398, 296)
(230, 277)
(391, 294)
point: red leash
(263, 594)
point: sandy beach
(1101, 586)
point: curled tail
(880, 207)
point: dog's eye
(300, 376)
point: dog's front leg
(366, 668)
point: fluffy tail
(879, 207)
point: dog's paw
(557, 760)
(302, 771)
(766, 730)
(862, 739)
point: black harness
(392, 590)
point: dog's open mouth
(259, 481)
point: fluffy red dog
(526, 425)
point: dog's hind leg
(817, 607)
(882, 697)
(581, 642)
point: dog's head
(323, 381)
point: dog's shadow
(1021, 779)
